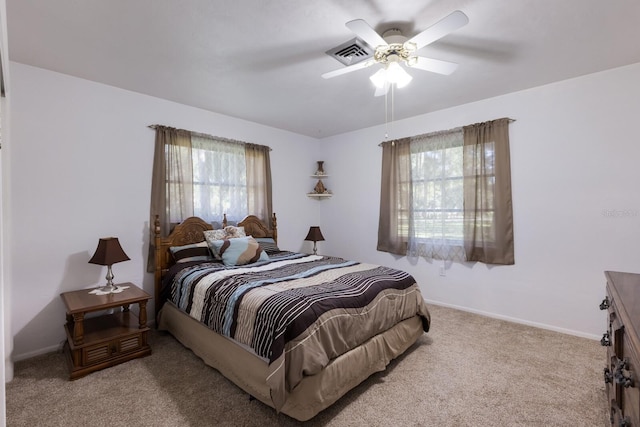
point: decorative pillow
(194, 252)
(239, 251)
(215, 234)
(267, 244)
(229, 232)
(234, 232)
(212, 236)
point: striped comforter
(297, 311)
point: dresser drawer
(612, 340)
(614, 318)
(616, 417)
(626, 381)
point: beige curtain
(395, 197)
(258, 181)
(488, 213)
(171, 185)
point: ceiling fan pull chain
(386, 115)
(393, 104)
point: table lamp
(107, 253)
(314, 235)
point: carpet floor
(469, 370)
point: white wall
(81, 164)
(575, 175)
(81, 169)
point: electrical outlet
(442, 271)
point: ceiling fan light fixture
(396, 74)
(392, 73)
(379, 78)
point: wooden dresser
(622, 372)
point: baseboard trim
(39, 352)
(516, 320)
(53, 348)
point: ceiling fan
(393, 49)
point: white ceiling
(261, 60)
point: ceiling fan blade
(345, 70)
(435, 65)
(366, 33)
(446, 25)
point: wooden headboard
(191, 230)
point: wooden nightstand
(100, 342)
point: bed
(295, 331)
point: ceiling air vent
(351, 52)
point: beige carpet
(468, 370)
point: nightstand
(98, 342)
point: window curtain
(395, 197)
(258, 166)
(171, 190)
(435, 224)
(488, 211)
(200, 175)
(409, 205)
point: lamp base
(109, 288)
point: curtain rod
(206, 135)
(443, 131)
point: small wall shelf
(320, 191)
(319, 196)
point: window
(205, 176)
(447, 195)
(219, 180)
(437, 212)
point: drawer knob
(624, 380)
(608, 376)
(604, 304)
(605, 341)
